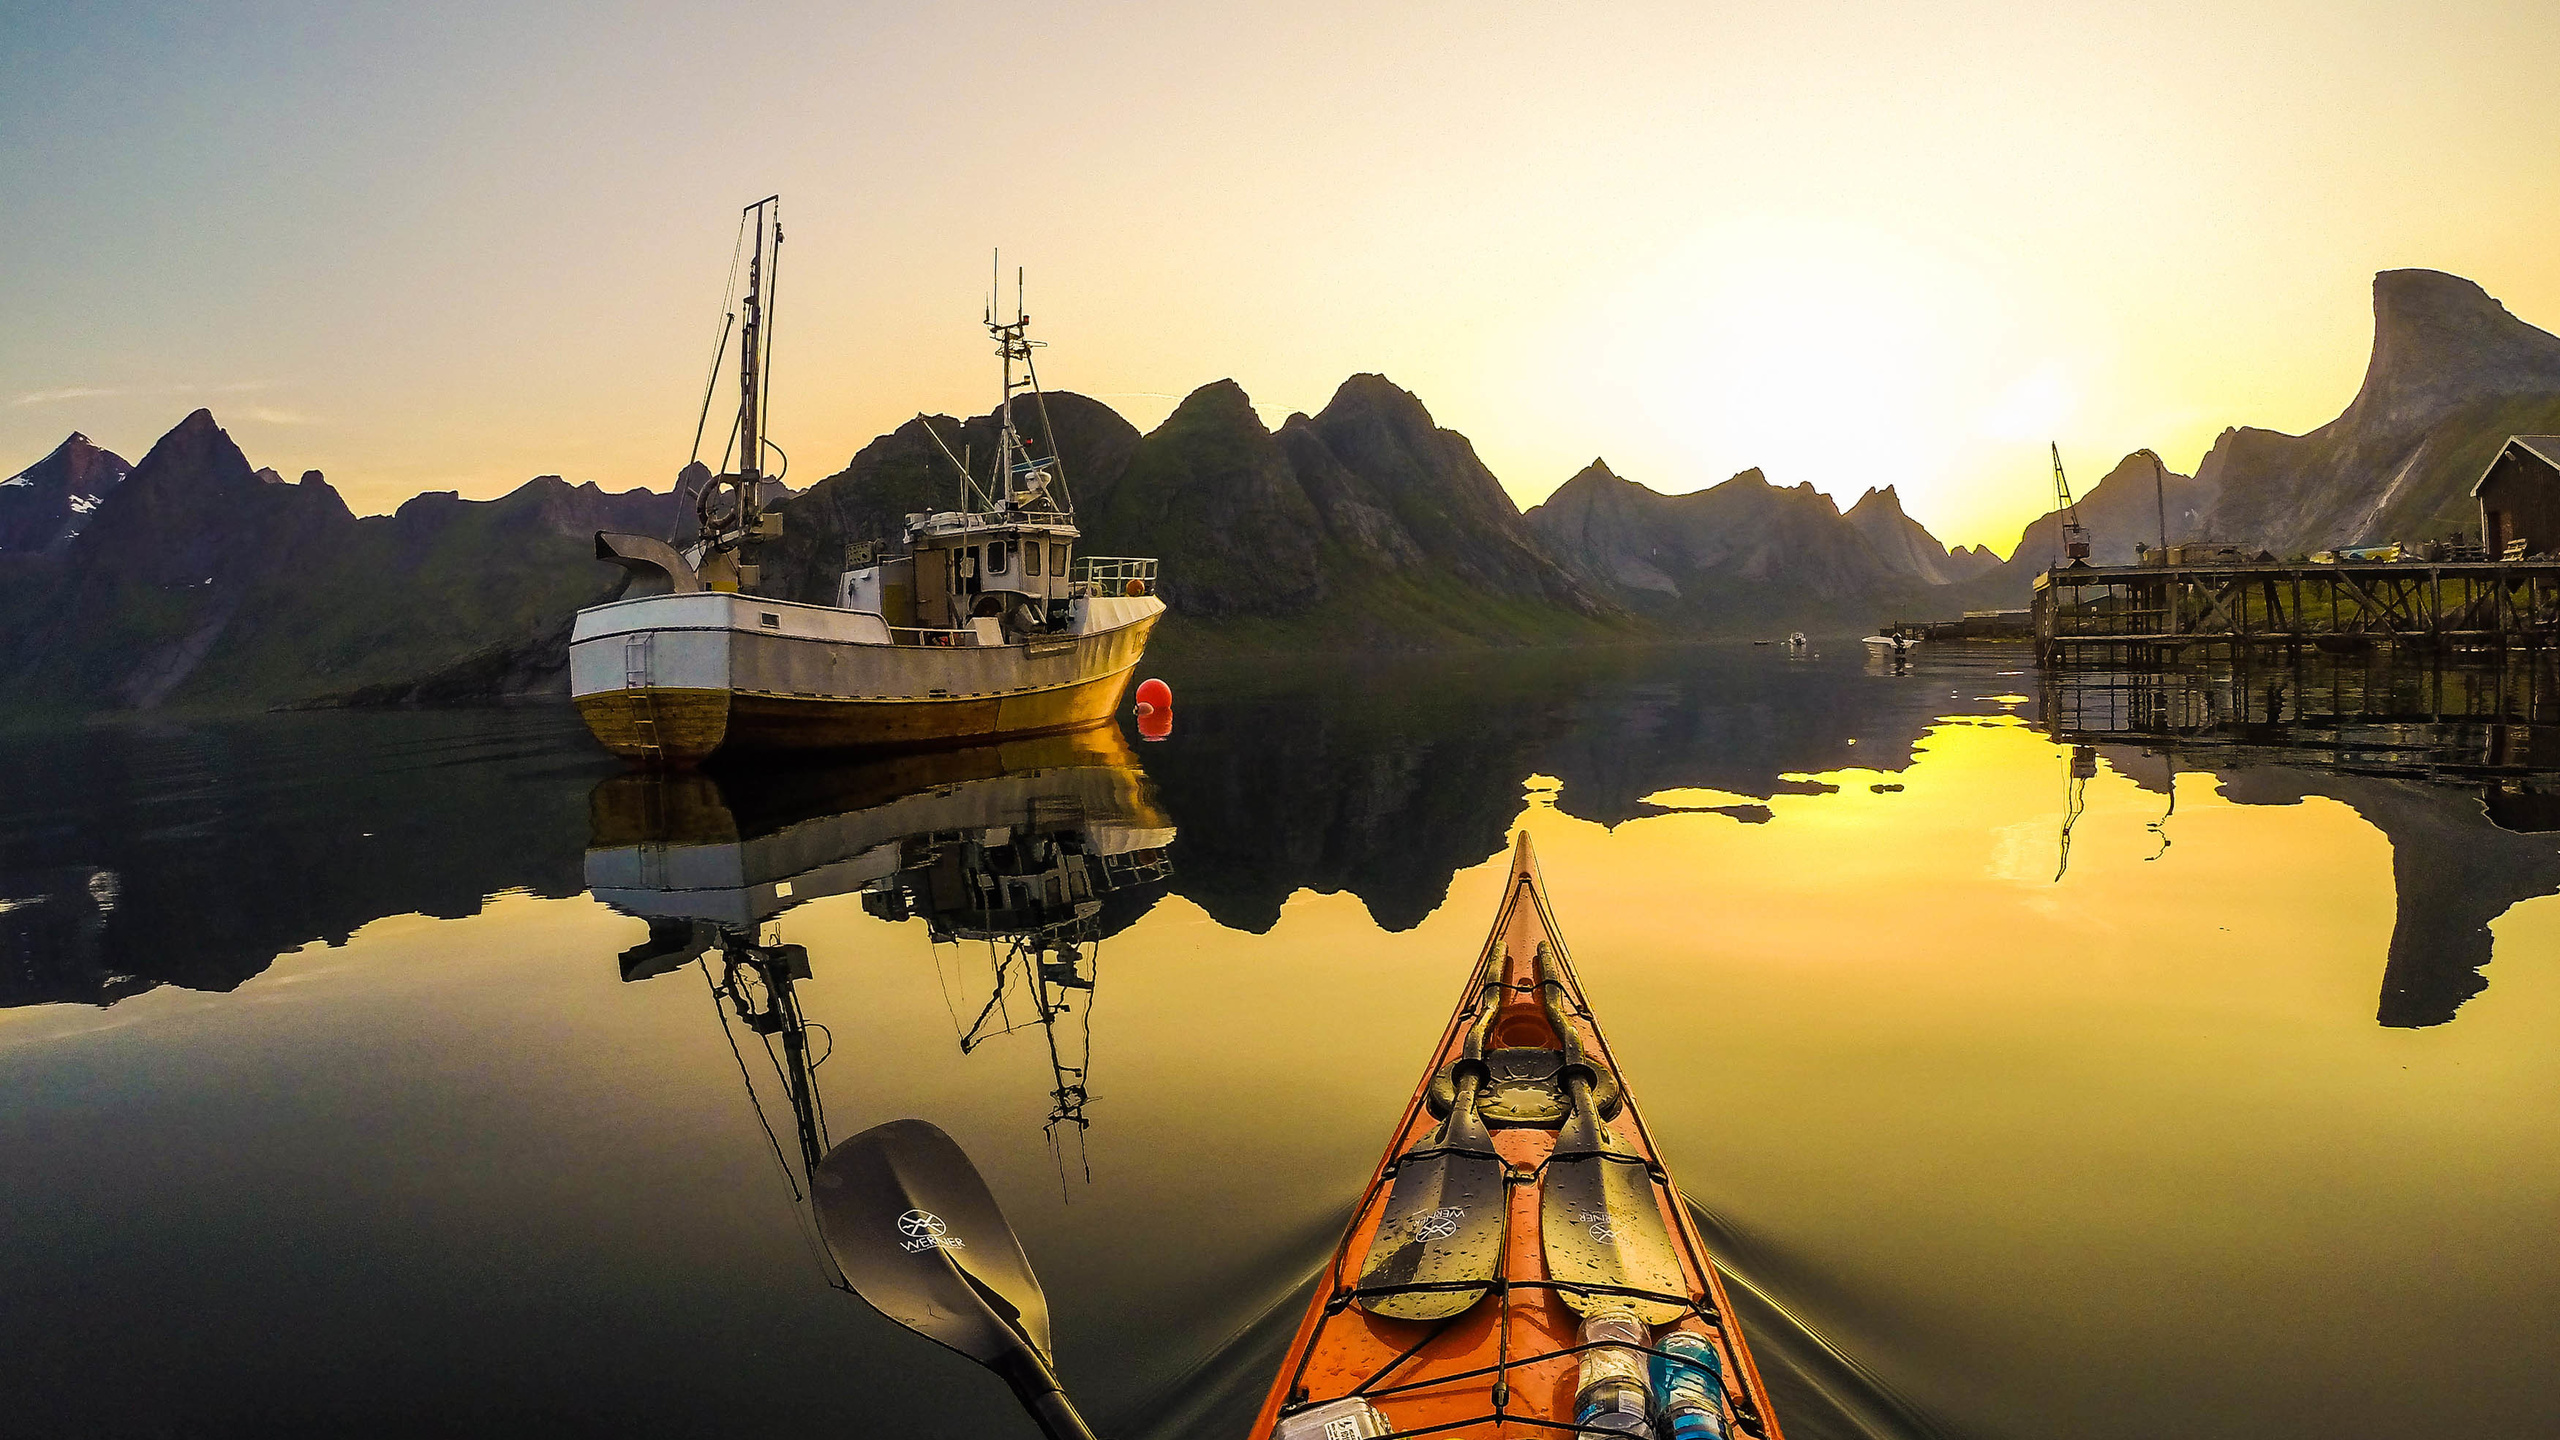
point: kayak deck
(1510, 1363)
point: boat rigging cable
(720, 345)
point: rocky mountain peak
(1591, 479)
(1220, 402)
(1378, 395)
(199, 449)
(2452, 374)
(2438, 340)
(45, 505)
(1902, 543)
(1879, 500)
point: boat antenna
(1048, 432)
(1014, 465)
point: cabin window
(995, 557)
(1057, 559)
(1031, 558)
(769, 620)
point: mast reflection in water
(1039, 849)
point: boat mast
(753, 367)
(753, 335)
(726, 525)
(1018, 479)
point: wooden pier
(2105, 614)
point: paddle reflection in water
(1040, 849)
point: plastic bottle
(1349, 1418)
(1613, 1394)
(1689, 1383)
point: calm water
(2127, 1058)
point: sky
(452, 247)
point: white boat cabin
(963, 568)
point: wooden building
(2519, 496)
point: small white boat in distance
(1891, 644)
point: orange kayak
(1520, 1265)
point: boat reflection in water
(1040, 849)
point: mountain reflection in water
(361, 1078)
(2458, 764)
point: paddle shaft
(1036, 1386)
(1057, 1419)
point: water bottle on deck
(1689, 1380)
(1349, 1418)
(1614, 1394)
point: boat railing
(940, 639)
(1113, 575)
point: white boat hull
(674, 679)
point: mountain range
(2452, 374)
(195, 579)
(1364, 526)
(1745, 553)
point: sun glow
(1825, 353)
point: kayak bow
(1599, 1297)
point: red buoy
(1155, 709)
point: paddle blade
(917, 1234)
(1601, 1224)
(1443, 1224)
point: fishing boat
(974, 624)
(1520, 1264)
